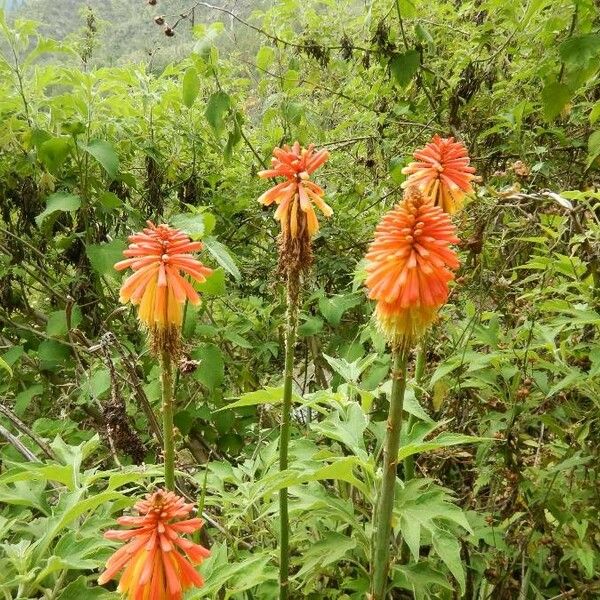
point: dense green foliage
(98, 136)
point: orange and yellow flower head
(443, 173)
(296, 195)
(157, 562)
(409, 265)
(160, 257)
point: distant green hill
(126, 31)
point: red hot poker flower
(158, 256)
(296, 164)
(409, 265)
(442, 173)
(157, 562)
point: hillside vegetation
(380, 381)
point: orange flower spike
(158, 256)
(409, 265)
(157, 563)
(443, 173)
(296, 164)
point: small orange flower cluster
(297, 192)
(157, 562)
(158, 255)
(442, 173)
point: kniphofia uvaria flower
(442, 172)
(157, 563)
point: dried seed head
(159, 19)
(169, 31)
(152, 2)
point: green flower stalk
(294, 198)
(409, 265)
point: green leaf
(334, 308)
(191, 86)
(5, 367)
(350, 371)
(52, 353)
(223, 256)
(103, 257)
(555, 97)
(408, 8)
(330, 549)
(214, 285)
(110, 201)
(211, 370)
(24, 398)
(265, 57)
(311, 326)
(191, 223)
(595, 113)
(578, 51)
(218, 104)
(447, 548)
(444, 440)
(593, 148)
(54, 152)
(290, 80)
(268, 395)
(79, 589)
(59, 201)
(105, 154)
(404, 66)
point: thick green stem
(166, 378)
(409, 461)
(385, 502)
(284, 433)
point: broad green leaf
(346, 427)
(593, 147)
(447, 548)
(105, 154)
(265, 57)
(555, 97)
(190, 223)
(218, 104)
(72, 506)
(404, 66)
(350, 371)
(214, 284)
(191, 86)
(342, 469)
(54, 152)
(110, 201)
(78, 589)
(333, 308)
(290, 80)
(595, 113)
(59, 201)
(578, 51)
(223, 256)
(408, 8)
(5, 367)
(52, 353)
(211, 370)
(24, 398)
(103, 257)
(330, 549)
(444, 440)
(268, 395)
(311, 326)
(419, 577)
